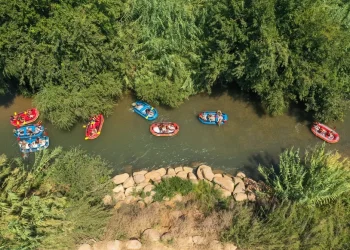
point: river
(248, 139)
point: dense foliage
(39, 203)
(77, 57)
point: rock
(166, 237)
(152, 193)
(133, 244)
(99, 245)
(129, 191)
(119, 196)
(154, 176)
(161, 171)
(118, 189)
(151, 235)
(171, 172)
(224, 183)
(140, 186)
(167, 176)
(107, 200)
(240, 175)
(191, 176)
(175, 214)
(228, 176)
(176, 198)
(198, 240)
(240, 196)
(188, 169)
(148, 200)
(85, 247)
(148, 188)
(251, 197)
(225, 193)
(129, 182)
(142, 172)
(141, 204)
(239, 185)
(120, 178)
(208, 174)
(199, 174)
(229, 246)
(215, 245)
(218, 175)
(139, 178)
(114, 245)
(130, 199)
(182, 174)
(178, 169)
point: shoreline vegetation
(76, 58)
(69, 200)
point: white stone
(140, 186)
(129, 182)
(178, 169)
(107, 200)
(114, 245)
(171, 172)
(161, 171)
(240, 175)
(119, 196)
(251, 197)
(218, 175)
(154, 176)
(224, 183)
(139, 178)
(240, 196)
(191, 176)
(133, 244)
(120, 178)
(182, 174)
(85, 247)
(142, 172)
(239, 185)
(129, 199)
(129, 191)
(151, 234)
(118, 189)
(148, 188)
(148, 200)
(225, 193)
(208, 174)
(188, 169)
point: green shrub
(169, 187)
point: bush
(169, 187)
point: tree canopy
(77, 57)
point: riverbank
(148, 218)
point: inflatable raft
(34, 144)
(29, 131)
(164, 128)
(94, 127)
(145, 110)
(25, 117)
(325, 133)
(211, 118)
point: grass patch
(171, 186)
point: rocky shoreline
(128, 188)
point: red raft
(164, 128)
(24, 117)
(94, 127)
(325, 133)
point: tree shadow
(297, 110)
(7, 99)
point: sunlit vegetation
(77, 57)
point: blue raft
(29, 131)
(204, 118)
(145, 110)
(34, 144)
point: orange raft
(164, 129)
(325, 133)
(24, 117)
(94, 127)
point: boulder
(119, 196)
(188, 169)
(148, 200)
(208, 174)
(239, 185)
(182, 174)
(120, 178)
(198, 240)
(167, 176)
(191, 176)
(251, 197)
(229, 246)
(240, 175)
(161, 171)
(130, 199)
(133, 244)
(240, 196)
(178, 169)
(141, 204)
(118, 189)
(107, 200)
(148, 188)
(218, 175)
(129, 182)
(154, 176)
(224, 183)
(200, 171)
(114, 245)
(151, 234)
(129, 191)
(176, 198)
(139, 178)
(225, 193)
(140, 186)
(171, 172)
(85, 247)
(142, 172)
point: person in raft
(316, 126)
(30, 114)
(220, 117)
(149, 112)
(137, 106)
